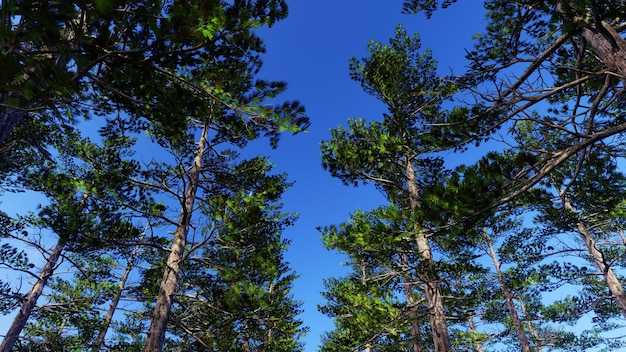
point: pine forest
(141, 207)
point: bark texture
(160, 316)
(434, 297)
(611, 48)
(601, 36)
(30, 301)
(613, 283)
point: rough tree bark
(434, 297)
(607, 42)
(160, 317)
(408, 293)
(30, 301)
(613, 283)
(611, 49)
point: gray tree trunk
(30, 302)
(613, 283)
(97, 346)
(508, 297)
(434, 297)
(160, 316)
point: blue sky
(310, 51)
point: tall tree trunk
(160, 316)
(434, 297)
(35, 292)
(479, 345)
(31, 299)
(408, 293)
(613, 283)
(529, 325)
(508, 297)
(97, 346)
(611, 48)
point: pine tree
(88, 191)
(398, 155)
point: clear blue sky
(310, 50)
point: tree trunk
(479, 345)
(529, 325)
(615, 286)
(160, 317)
(519, 328)
(35, 292)
(408, 292)
(434, 297)
(97, 346)
(611, 47)
(31, 299)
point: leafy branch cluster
(513, 250)
(155, 234)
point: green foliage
(236, 282)
(14, 259)
(369, 305)
(141, 58)
(530, 52)
(365, 314)
(393, 153)
(71, 317)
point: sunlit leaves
(141, 58)
(238, 275)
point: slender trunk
(434, 297)
(35, 292)
(160, 317)
(479, 345)
(268, 335)
(611, 48)
(529, 325)
(408, 293)
(613, 283)
(508, 297)
(97, 346)
(31, 299)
